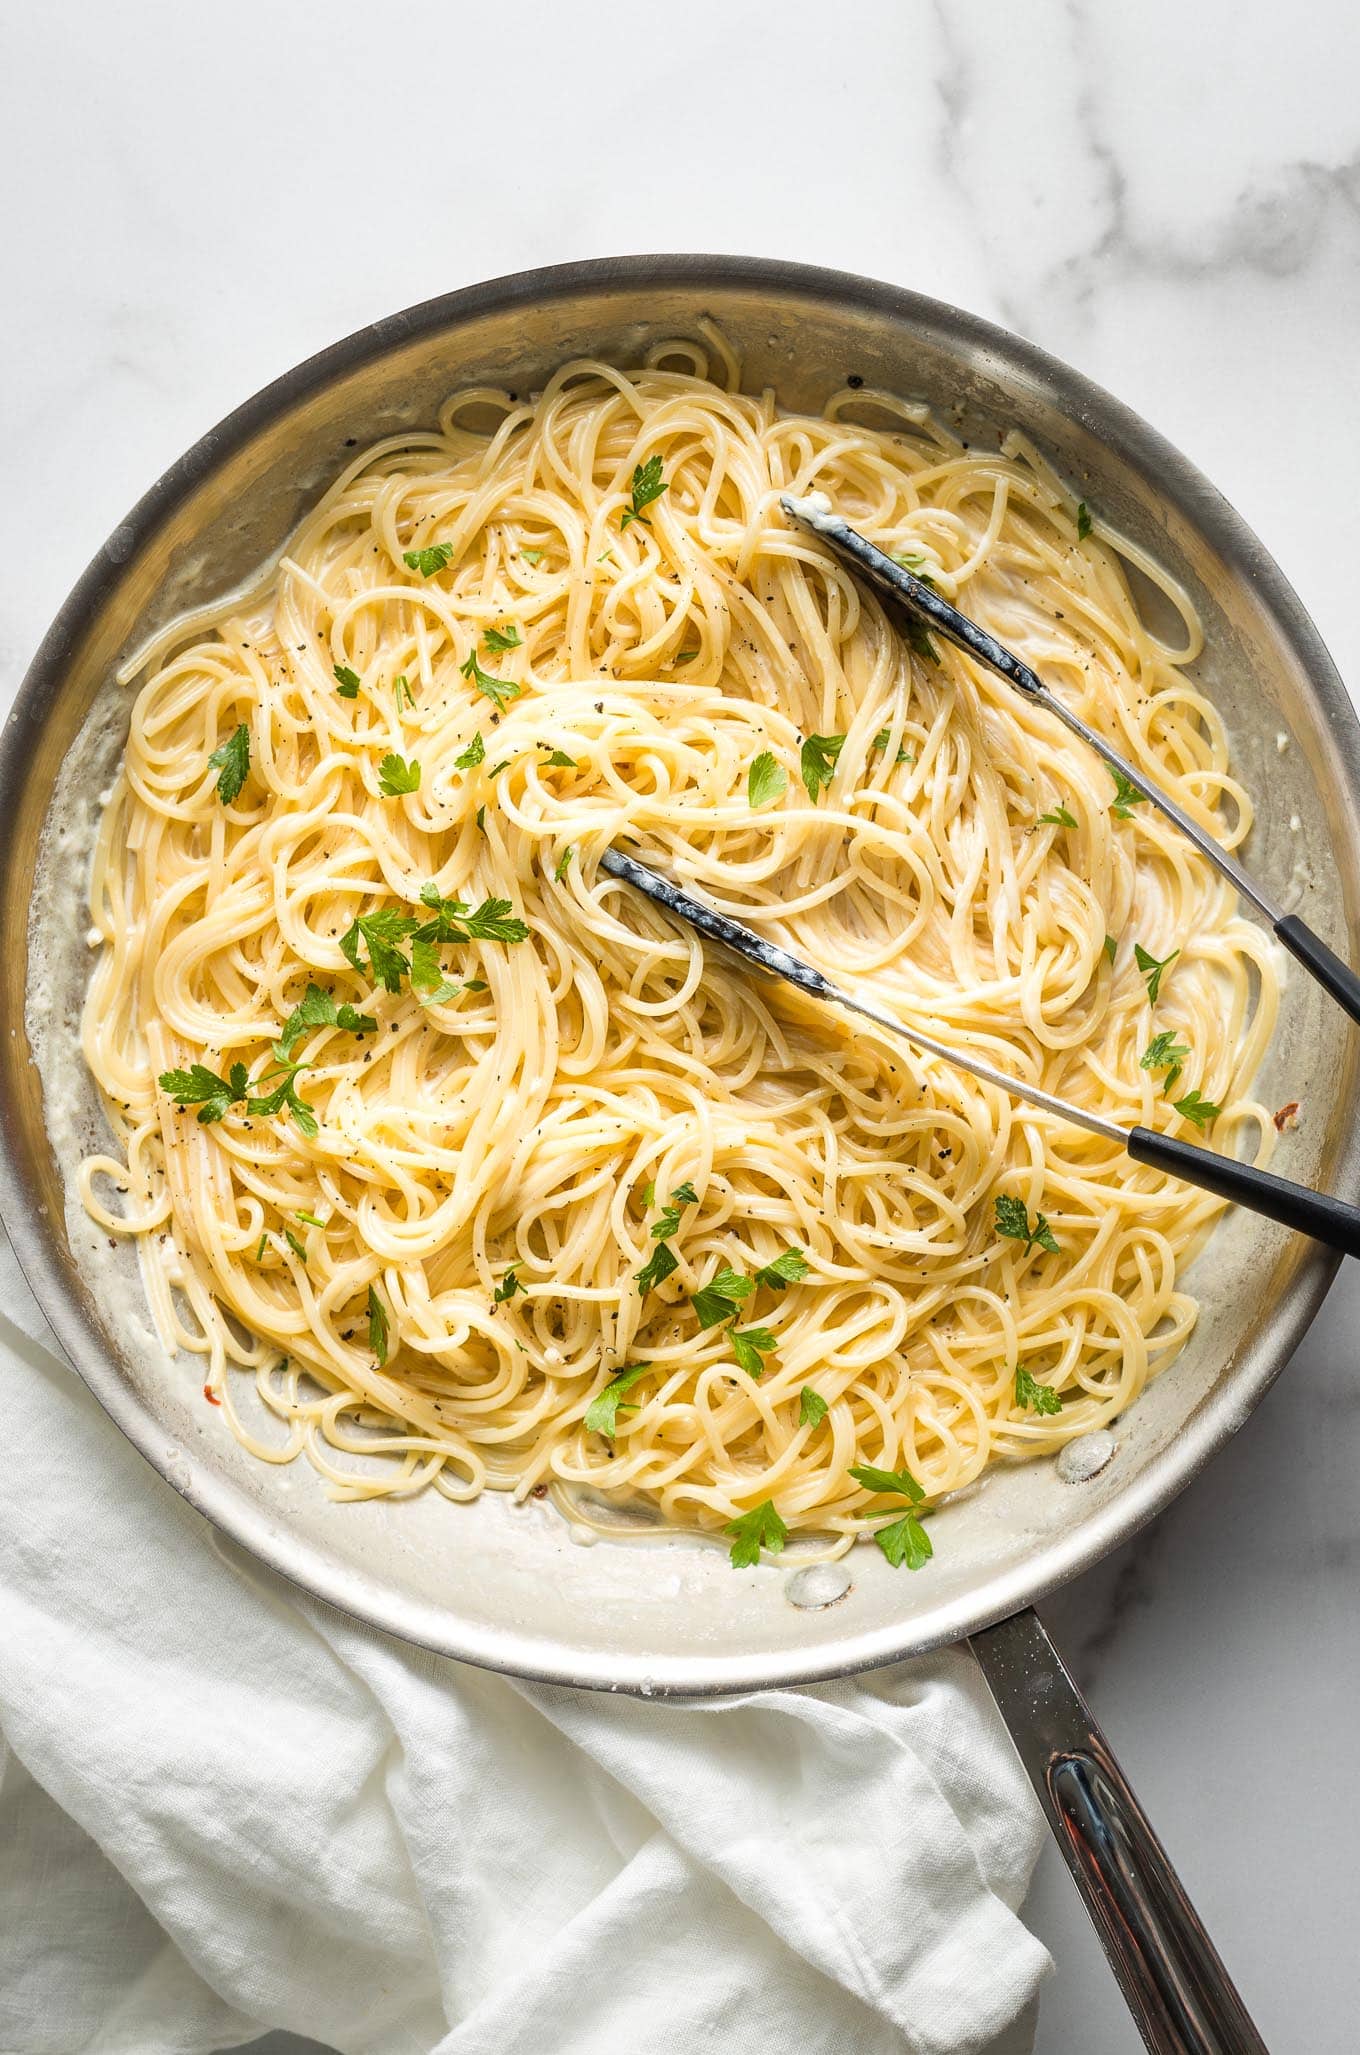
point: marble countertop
(1167, 197)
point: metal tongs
(1313, 1213)
(925, 604)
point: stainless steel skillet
(507, 1587)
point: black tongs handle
(1326, 966)
(1317, 1214)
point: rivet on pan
(1086, 1457)
(819, 1585)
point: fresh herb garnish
(1012, 1219)
(532, 556)
(317, 1008)
(766, 779)
(1152, 968)
(720, 1297)
(232, 764)
(381, 932)
(1033, 1396)
(309, 1219)
(428, 561)
(285, 1093)
(749, 1344)
(1126, 795)
(377, 1325)
(507, 1288)
(401, 691)
(900, 1482)
(789, 1268)
(474, 754)
(919, 640)
(563, 864)
(428, 981)
(648, 485)
(602, 1414)
(658, 1267)
(499, 690)
(817, 762)
(502, 638)
(198, 1086)
(1058, 817)
(880, 743)
(396, 776)
(668, 1223)
(261, 1246)
(492, 921)
(1110, 946)
(1083, 521)
(480, 818)
(759, 1529)
(1164, 1052)
(295, 1245)
(812, 1407)
(687, 656)
(560, 761)
(1198, 1109)
(346, 681)
(905, 1540)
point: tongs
(1312, 1213)
(927, 606)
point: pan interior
(511, 1586)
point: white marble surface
(1169, 197)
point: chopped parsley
(812, 1407)
(759, 1529)
(502, 638)
(1083, 521)
(346, 681)
(1126, 795)
(499, 690)
(658, 1267)
(602, 1414)
(474, 754)
(401, 691)
(1164, 1052)
(669, 1222)
(648, 485)
(563, 864)
(295, 1245)
(427, 561)
(532, 556)
(749, 1344)
(309, 1219)
(317, 1008)
(919, 640)
(381, 933)
(232, 764)
(880, 743)
(687, 656)
(428, 981)
(1110, 946)
(285, 1094)
(507, 1288)
(560, 761)
(789, 1268)
(720, 1297)
(766, 779)
(1033, 1396)
(492, 921)
(1057, 817)
(1012, 1219)
(1198, 1109)
(213, 1095)
(1152, 968)
(377, 1325)
(905, 1540)
(817, 762)
(396, 776)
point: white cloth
(225, 1807)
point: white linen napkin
(225, 1807)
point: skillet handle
(1181, 1997)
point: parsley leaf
(648, 485)
(563, 864)
(817, 762)
(790, 1268)
(507, 1287)
(1059, 817)
(346, 681)
(720, 1297)
(758, 1529)
(285, 1094)
(428, 981)
(1012, 1219)
(560, 761)
(232, 764)
(1110, 946)
(687, 656)
(602, 1414)
(900, 1483)
(812, 1407)
(1126, 795)
(1083, 521)
(382, 932)
(1164, 1052)
(919, 640)
(492, 921)
(532, 556)
(1035, 1397)
(905, 1541)
(499, 690)
(377, 1325)
(880, 742)
(749, 1344)
(669, 1222)
(396, 776)
(198, 1086)
(658, 1267)
(1195, 1108)
(502, 638)
(317, 1008)
(766, 779)
(1152, 969)
(428, 561)
(474, 754)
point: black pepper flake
(854, 381)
